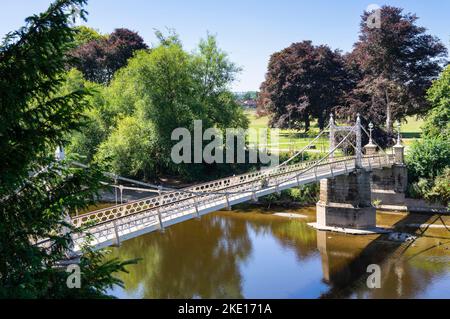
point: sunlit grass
(291, 140)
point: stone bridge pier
(346, 201)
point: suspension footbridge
(170, 206)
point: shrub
(428, 158)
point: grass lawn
(291, 140)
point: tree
(85, 34)
(438, 118)
(397, 63)
(161, 90)
(214, 73)
(88, 137)
(36, 193)
(303, 82)
(131, 149)
(100, 58)
(263, 101)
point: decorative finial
(358, 118)
(370, 131)
(331, 118)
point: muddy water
(255, 254)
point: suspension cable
(304, 149)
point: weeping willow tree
(35, 191)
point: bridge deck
(118, 223)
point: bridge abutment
(389, 184)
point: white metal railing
(248, 183)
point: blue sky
(249, 30)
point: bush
(441, 188)
(428, 158)
(305, 194)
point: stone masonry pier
(345, 201)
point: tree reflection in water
(205, 259)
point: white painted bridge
(112, 225)
(121, 222)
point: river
(252, 253)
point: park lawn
(293, 140)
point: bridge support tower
(345, 201)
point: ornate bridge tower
(345, 201)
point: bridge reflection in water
(253, 255)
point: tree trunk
(307, 124)
(321, 122)
(389, 127)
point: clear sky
(249, 30)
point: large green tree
(163, 89)
(37, 193)
(438, 118)
(395, 65)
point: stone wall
(389, 185)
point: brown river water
(252, 253)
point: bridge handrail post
(277, 186)
(116, 232)
(315, 172)
(331, 168)
(227, 198)
(345, 165)
(298, 180)
(254, 198)
(196, 207)
(161, 224)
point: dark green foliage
(158, 91)
(304, 195)
(428, 162)
(428, 158)
(37, 193)
(438, 119)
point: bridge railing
(197, 195)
